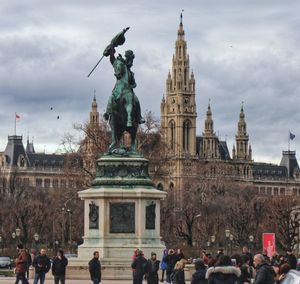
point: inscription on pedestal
(150, 216)
(94, 216)
(122, 217)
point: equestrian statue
(123, 109)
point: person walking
(177, 276)
(42, 265)
(170, 260)
(153, 267)
(198, 277)
(21, 265)
(95, 268)
(265, 273)
(140, 266)
(163, 265)
(224, 272)
(291, 259)
(59, 265)
(28, 262)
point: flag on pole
(292, 136)
(18, 117)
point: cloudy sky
(240, 50)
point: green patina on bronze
(129, 172)
(122, 167)
(123, 108)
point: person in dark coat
(21, 265)
(177, 275)
(170, 260)
(59, 265)
(42, 265)
(291, 259)
(247, 271)
(265, 273)
(140, 266)
(153, 267)
(198, 277)
(223, 272)
(95, 268)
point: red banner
(269, 243)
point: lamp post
(251, 244)
(1, 244)
(36, 237)
(18, 233)
(231, 242)
(213, 239)
(63, 227)
(208, 244)
(227, 235)
(70, 228)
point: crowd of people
(243, 268)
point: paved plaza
(10, 280)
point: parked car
(293, 277)
(5, 262)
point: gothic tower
(94, 114)
(210, 141)
(178, 107)
(242, 151)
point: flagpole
(15, 123)
(289, 141)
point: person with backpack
(21, 266)
(42, 265)
(140, 266)
(59, 265)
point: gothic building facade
(191, 153)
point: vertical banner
(269, 243)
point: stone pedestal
(121, 213)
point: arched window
(171, 185)
(160, 187)
(172, 134)
(186, 135)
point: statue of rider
(129, 56)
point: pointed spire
(180, 32)
(94, 104)
(208, 113)
(242, 115)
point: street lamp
(18, 233)
(213, 239)
(227, 235)
(36, 237)
(1, 244)
(208, 244)
(251, 246)
(231, 241)
(70, 227)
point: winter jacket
(247, 274)
(95, 269)
(41, 263)
(177, 276)
(223, 275)
(139, 265)
(265, 274)
(292, 261)
(153, 267)
(198, 277)
(59, 266)
(21, 261)
(170, 260)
